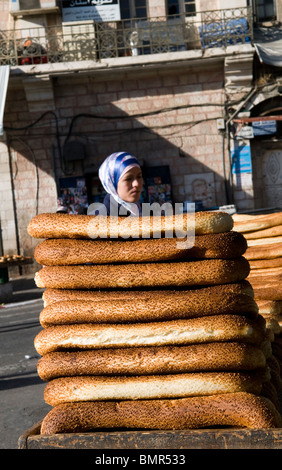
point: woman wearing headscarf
(121, 176)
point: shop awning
(4, 78)
(268, 45)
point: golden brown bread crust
(152, 360)
(157, 308)
(49, 225)
(191, 273)
(262, 242)
(67, 252)
(265, 263)
(195, 330)
(265, 275)
(271, 307)
(242, 410)
(90, 388)
(268, 232)
(268, 251)
(270, 289)
(250, 223)
(50, 295)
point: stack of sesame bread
(150, 333)
(264, 238)
(263, 234)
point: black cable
(32, 123)
(28, 126)
(14, 203)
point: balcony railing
(134, 37)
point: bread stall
(152, 341)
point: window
(178, 7)
(172, 7)
(190, 8)
(133, 9)
(265, 10)
(29, 4)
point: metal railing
(95, 41)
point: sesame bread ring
(265, 263)
(268, 251)
(154, 308)
(265, 273)
(265, 233)
(67, 251)
(152, 360)
(48, 225)
(90, 388)
(250, 223)
(191, 273)
(241, 409)
(50, 296)
(195, 330)
(267, 289)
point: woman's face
(130, 185)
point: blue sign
(241, 158)
(264, 128)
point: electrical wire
(34, 163)
(34, 123)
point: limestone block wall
(164, 119)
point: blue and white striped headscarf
(111, 170)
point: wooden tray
(189, 439)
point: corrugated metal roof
(4, 78)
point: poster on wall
(242, 165)
(72, 195)
(241, 158)
(200, 189)
(157, 185)
(95, 10)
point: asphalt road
(21, 390)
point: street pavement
(21, 390)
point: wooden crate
(187, 439)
